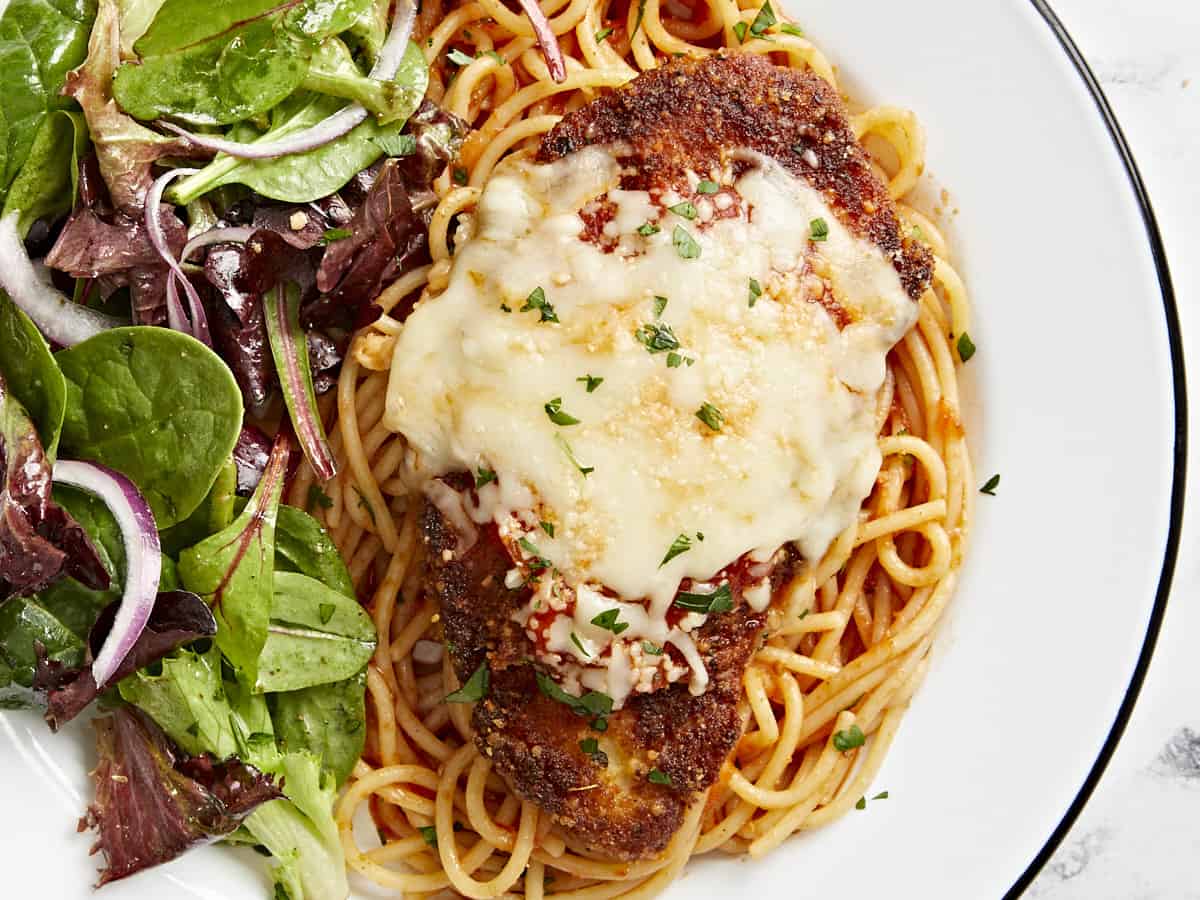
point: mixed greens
(199, 205)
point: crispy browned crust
(534, 740)
(692, 115)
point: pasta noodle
(848, 643)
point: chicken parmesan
(647, 395)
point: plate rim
(1179, 458)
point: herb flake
(591, 382)
(720, 600)
(966, 347)
(764, 20)
(755, 291)
(685, 244)
(657, 776)
(707, 187)
(818, 230)
(681, 544)
(608, 621)
(710, 416)
(537, 300)
(475, 688)
(848, 739)
(555, 412)
(686, 209)
(990, 487)
(484, 476)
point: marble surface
(1139, 836)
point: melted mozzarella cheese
(475, 366)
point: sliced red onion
(336, 125)
(199, 325)
(62, 321)
(143, 558)
(546, 39)
(290, 350)
(177, 319)
(215, 236)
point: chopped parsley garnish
(460, 175)
(603, 35)
(685, 244)
(651, 649)
(538, 563)
(547, 527)
(326, 611)
(537, 300)
(657, 776)
(593, 703)
(861, 804)
(566, 448)
(484, 476)
(789, 28)
(720, 600)
(396, 144)
(591, 381)
(764, 20)
(818, 230)
(475, 689)
(882, 795)
(848, 739)
(966, 347)
(557, 416)
(500, 60)
(917, 233)
(589, 746)
(990, 487)
(599, 724)
(504, 307)
(710, 416)
(755, 291)
(317, 497)
(608, 621)
(657, 338)
(740, 30)
(459, 58)
(707, 187)
(429, 833)
(582, 649)
(681, 544)
(674, 360)
(686, 209)
(660, 304)
(648, 229)
(335, 234)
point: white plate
(1077, 395)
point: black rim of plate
(1180, 457)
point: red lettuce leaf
(153, 802)
(178, 618)
(39, 540)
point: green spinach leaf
(303, 545)
(213, 514)
(316, 636)
(32, 374)
(45, 186)
(238, 60)
(156, 405)
(304, 177)
(328, 720)
(234, 571)
(40, 41)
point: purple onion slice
(62, 321)
(143, 557)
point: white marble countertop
(1139, 836)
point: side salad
(199, 205)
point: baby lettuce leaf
(39, 540)
(316, 635)
(24, 625)
(153, 802)
(234, 570)
(305, 177)
(203, 708)
(156, 405)
(303, 545)
(126, 150)
(328, 720)
(178, 617)
(31, 373)
(389, 101)
(235, 62)
(40, 40)
(45, 186)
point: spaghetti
(848, 640)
